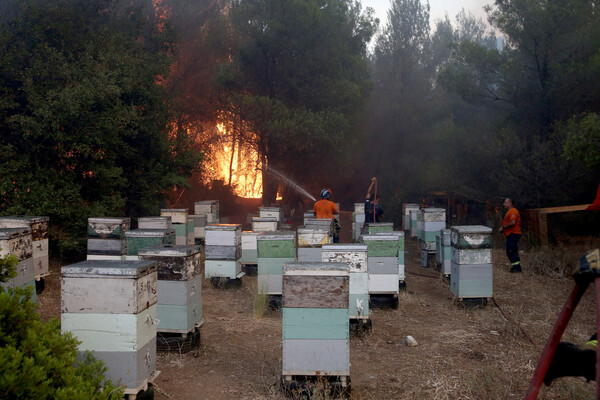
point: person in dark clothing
(372, 203)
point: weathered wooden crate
(318, 223)
(138, 239)
(315, 319)
(178, 215)
(17, 242)
(471, 237)
(265, 224)
(108, 228)
(119, 329)
(355, 255)
(206, 207)
(223, 235)
(175, 263)
(276, 245)
(39, 235)
(155, 223)
(222, 268)
(406, 209)
(313, 237)
(414, 220)
(271, 212)
(179, 305)
(377, 227)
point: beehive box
(315, 319)
(271, 212)
(138, 239)
(414, 219)
(217, 252)
(178, 215)
(110, 307)
(434, 220)
(264, 224)
(400, 236)
(446, 251)
(471, 265)
(38, 227)
(313, 237)
(18, 242)
(223, 235)
(222, 268)
(355, 255)
(249, 247)
(406, 209)
(155, 223)
(318, 223)
(205, 207)
(273, 250)
(179, 286)
(309, 254)
(106, 236)
(377, 227)
(383, 269)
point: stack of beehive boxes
(445, 252)
(406, 209)
(401, 273)
(183, 226)
(471, 275)
(106, 238)
(17, 242)
(315, 332)
(206, 212)
(110, 307)
(152, 231)
(38, 227)
(355, 255)
(274, 249)
(358, 220)
(310, 241)
(249, 258)
(223, 251)
(431, 222)
(179, 300)
(382, 257)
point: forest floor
(461, 354)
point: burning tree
(297, 77)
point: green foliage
(583, 140)
(37, 362)
(84, 119)
(7, 267)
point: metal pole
(550, 348)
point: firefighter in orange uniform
(511, 228)
(326, 208)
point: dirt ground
(461, 354)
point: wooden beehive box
(471, 265)
(355, 255)
(110, 307)
(446, 251)
(273, 250)
(383, 267)
(155, 223)
(39, 236)
(179, 286)
(222, 268)
(271, 212)
(138, 239)
(178, 215)
(313, 237)
(199, 227)
(315, 319)
(318, 223)
(377, 227)
(265, 224)
(414, 221)
(205, 207)
(18, 242)
(106, 236)
(223, 235)
(249, 247)
(400, 236)
(434, 220)
(406, 209)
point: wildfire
(235, 162)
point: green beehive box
(276, 245)
(376, 227)
(138, 239)
(381, 245)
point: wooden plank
(315, 291)
(552, 210)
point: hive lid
(109, 220)
(170, 250)
(466, 229)
(224, 227)
(380, 224)
(392, 233)
(149, 232)
(264, 219)
(109, 268)
(276, 209)
(381, 237)
(434, 210)
(344, 247)
(25, 220)
(316, 268)
(278, 235)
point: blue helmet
(325, 193)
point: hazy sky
(438, 8)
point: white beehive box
(110, 308)
(313, 237)
(178, 215)
(471, 265)
(17, 242)
(39, 236)
(222, 268)
(206, 207)
(406, 209)
(155, 223)
(265, 224)
(223, 235)
(249, 247)
(315, 319)
(106, 236)
(414, 221)
(273, 250)
(271, 212)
